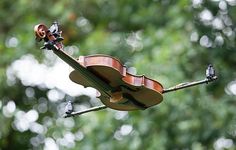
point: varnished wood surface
(142, 89)
(118, 89)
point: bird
(210, 72)
(54, 27)
(69, 108)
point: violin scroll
(51, 36)
(40, 31)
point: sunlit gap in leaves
(27, 121)
(124, 130)
(223, 143)
(134, 40)
(84, 24)
(231, 88)
(9, 109)
(221, 23)
(23, 121)
(222, 3)
(55, 78)
(68, 140)
(50, 144)
(11, 42)
(121, 115)
(32, 73)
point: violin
(117, 88)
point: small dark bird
(210, 72)
(69, 108)
(54, 27)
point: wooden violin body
(117, 88)
(130, 92)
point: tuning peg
(47, 45)
(59, 39)
(69, 108)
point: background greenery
(170, 41)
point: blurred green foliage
(170, 41)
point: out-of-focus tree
(170, 41)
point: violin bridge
(117, 97)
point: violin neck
(91, 78)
